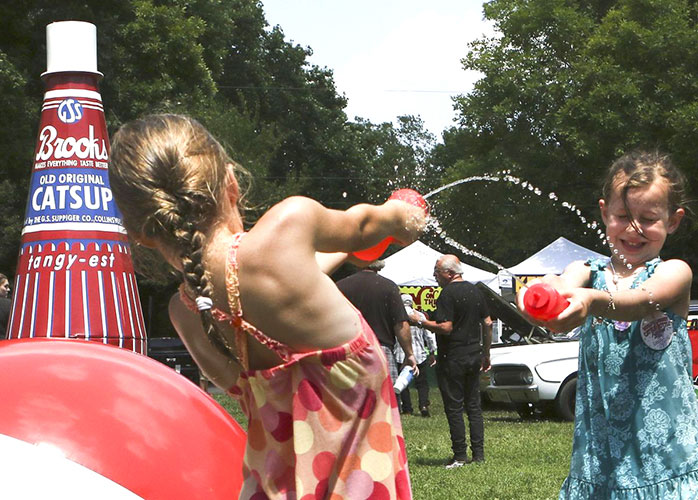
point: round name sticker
(657, 331)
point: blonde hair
(168, 174)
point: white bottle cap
(71, 46)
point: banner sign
(424, 297)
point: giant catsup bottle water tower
(75, 276)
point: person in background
(423, 347)
(378, 300)
(5, 304)
(461, 317)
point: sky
(389, 57)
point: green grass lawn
(525, 460)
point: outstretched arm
(326, 230)
(668, 288)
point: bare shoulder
(676, 269)
(292, 207)
(290, 218)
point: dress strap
(651, 265)
(597, 264)
(240, 325)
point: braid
(197, 279)
(191, 241)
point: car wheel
(564, 403)
(525, 410)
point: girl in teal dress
(636, 422)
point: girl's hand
(413, 220)
(550, 279)
(575, 314)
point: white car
(536, 376)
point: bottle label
(75, 276)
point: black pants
(459, 383)
(422, 385)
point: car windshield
(571, 335)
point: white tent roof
(414, 266)
(554, 258)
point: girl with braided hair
(277, 334)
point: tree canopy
(567, 87)
(278, 115)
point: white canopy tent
(414, 266)
(553, 259)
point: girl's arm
(330, 262)
(668, 289)
(217, 367)
(357, 228)
(575, 275)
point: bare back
(283, 291)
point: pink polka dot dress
(323, 424)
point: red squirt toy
(408, 195)
(544, 302)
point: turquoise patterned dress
(636, 421)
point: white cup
(404, 379)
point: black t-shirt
(379, 301)
(5, 306)
(461, 303)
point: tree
(568, 87)
(278, 115)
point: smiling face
(638, 226)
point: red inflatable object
(120, 421)
(407, 195)
(544, 302)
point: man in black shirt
(378, 300)
(461, 314)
